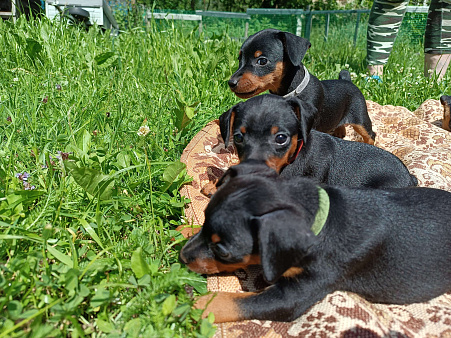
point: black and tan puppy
(389, 246)
(272, 60)
(276, 131)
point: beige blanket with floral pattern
(419, 141)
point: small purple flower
(9, 119)
(58, 87)
(23, 176)
(45, 99)
(62, 155)
(27, 186)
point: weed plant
(89, 207)
(91, 130)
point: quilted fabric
(418, 140)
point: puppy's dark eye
(281, 139)
(262, 61)
(221, 251)
(238, 138)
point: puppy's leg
(224, 306)
(368, 137)
(209, 189)
(339, 132)
(284, 301)
(446, 102)
(359, 119)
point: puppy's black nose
(233, 83)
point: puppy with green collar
(389, 246)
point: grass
(89, 207)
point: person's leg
(437, 39)
(383, 26)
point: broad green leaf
(84, 142)
(184, 114)
(144, 280)
(91, 180)
(71, 280)
(14, 308)
(133, 327)
(171, 173)
(138, 264)
(105, 326)
(169, 305)
(73, 303)
(175, 267)
(181, 311)
(33, 48)
(102, 58)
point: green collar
(323, 211)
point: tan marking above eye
(243, 130)
(277, 163)
(215, 238)
(274, 130)
(258, 53)
(292, 272)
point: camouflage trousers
(386, 18)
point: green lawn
(91, 129)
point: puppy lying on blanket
(389, 246)
(276, 130)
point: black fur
(337, 102)
(389, 246)
(324, 158)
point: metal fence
(314, 25)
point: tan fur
(223, 305)
(292, 272)
(362, 132)
(446, 116)
(277, 163)
(210, 266)
(251, 85)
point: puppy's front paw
(209, 189)
(224, 306)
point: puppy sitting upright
(276, 131)
(272, 60)
(389, 246)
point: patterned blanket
(425, 148)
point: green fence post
(356, 28)
(326, 30)
(308, 24)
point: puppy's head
(250, 220)
(446, 103)
(268, 128)
(263, 60)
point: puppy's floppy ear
(306, 114)
(295, 47)
(284, 239)
(226, 124)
